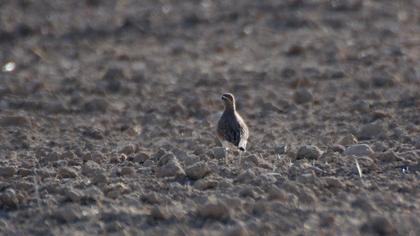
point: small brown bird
(231, 126)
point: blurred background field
(108, 112)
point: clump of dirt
(108, 112)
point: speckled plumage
(231, 127)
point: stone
(9, 199)
(371, 131)
(16, 121)
(338, 148)
(309, 152)
(171, 169)
(348, 140)
(129, 149)
(67, 172)
(197, 170)
(216, 210)
(140, 157)
(246, 177)
(203, 184)
(91, 168)
(389, 156)
(73, 194)
(116, 190)
(218, 152)
(127, 171)
(68, 213)
(378, 225)
(160, 213)
(7, 171)
(358, 150)
(361, 106)
(281, 149)
(302, 95)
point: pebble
(9, 198)
(302, 95)
(358, 150)
(116, 190)
(68, 213)
(160, 213)
(171, 169)
(389, 156)
(127, 171)
(371, 131)
(338, 148)
(347, 140)
(361, 106)
(18, 121)
(281, 149)
(309, 152)
(246, 176)
(73, 194)
(206, 183)
(129, 149)
(91, 168)
(216, 210)
(140, 157)
(7, 171)
(378, 225)
(67, 172)
(219, 152)
(197, 170)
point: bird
(231, 127)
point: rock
(73, 194)
(116, 190)
(96, 105)
(364, 204)
(129, 149)
(93, 193)
(337, 148)
(383, 81)
(118, 158)
(389, 156)
(93, 133)
(69, 213)
(163, 160)
(152, 198)
(216, 210)
(302, 96)
(140, 157)
(361, 106)
(160, 213)
(358, 150)
(171, 169)
(7, 171)
(309, 152)
(281, 149)
(378, 225)
(197, 170)
(91, 168)
(17, 121)
(127, 171)
(274, 193)
(218, 152)
(67, 172)
(246, 177)
(238, 230)
(348, 140)
(204, 184)
(9, 199)
(370, 131)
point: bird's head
(228, 100)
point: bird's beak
(223, 97)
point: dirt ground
(108, 112)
